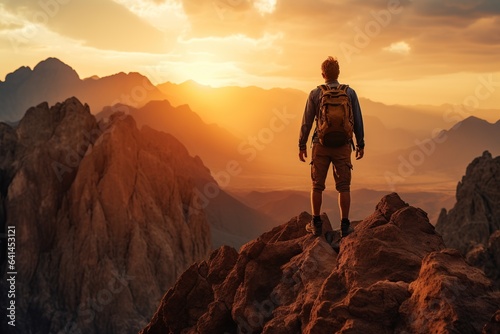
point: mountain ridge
(52, 80)
(95, 206)
(260, 135)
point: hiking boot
(345, 228)
(315, 227)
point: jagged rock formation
(476, 215)
(392, 275)
(472, 226)
(105, 219)
(487, 257)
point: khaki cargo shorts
(340, 158)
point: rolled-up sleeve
(307, 120)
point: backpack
(335, 122)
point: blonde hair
(330, 68)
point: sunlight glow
(265, 6)
(167, 16)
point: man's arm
(358, 120)
(307, 122)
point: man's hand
(303, 155)
(360, 152)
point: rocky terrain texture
(393, 274)
(472, 225)
(106, 219)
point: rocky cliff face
(105, 219)
(232, 223)
(392, 275)
(473, 225)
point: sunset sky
(404, 52)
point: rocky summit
(104, 216)
(476, 213)
(473, 225)
(393, 274)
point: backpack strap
(323, 88)
(343, 88)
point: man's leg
(316, 225)
(316, 201)
(319, 169)
(342, 173)
(344, 204)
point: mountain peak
(477, 210)
(55, 65)
(114, 199)
(52, 80)
(471, 224)
(18, 75)
(51, 61)
(471, 122)
(287, 281)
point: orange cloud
(103, 24)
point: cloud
(103, 24)
(272, 42)
(265, 6)
(398, 47)
(314, 29)
(223, 18)
(9, 21)
(465, 32)
(464, 9)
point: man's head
(330, 69)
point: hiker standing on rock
(336, 109)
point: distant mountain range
(246, 110)
(213, 144)
(257, 129)
(52, 81)
(440, 157)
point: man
(322, 156)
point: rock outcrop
(472, 225)
(105, 217)
(392, 275)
